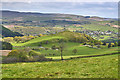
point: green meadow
(97, 67)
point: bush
(6, 46)
(104, 43)
(14, 53)
(74, 51)
(53, 47)
(84, 43)
(10, 60)
(116, 44)
(24, 55)
(109, 45)
(21, 55)
(46, 48)
(98, 46)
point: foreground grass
(97, 67)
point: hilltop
(45, 19)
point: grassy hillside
(67, 35)
(98, 67)
(81, 50)
(37, 41)
(44, 45)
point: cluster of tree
(77, 37)
(115, 44)
(6, 46)
(23, 39)
(24, 55)
(18, 39)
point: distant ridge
(38, 13)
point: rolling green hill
(66, 35)
(72, 40)
(35, 41)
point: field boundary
(94, 55)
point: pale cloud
(29, 1)
(110, 8)
(103, 9)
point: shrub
(24, 55)
(98, 46)
(14, 53)
(115, 44)
(84, 43)
(6, 46)
(104, 43)
(109, 45)
(10, 60)
(53, 47)
(46, 48)
(21, 55)
(74, 51)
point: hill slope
(65, 35)
(8, 33)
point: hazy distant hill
(31, 23)
(45, 19)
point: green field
(92, 67)
(98, 67)
(81, 50)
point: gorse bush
(14, 53)
(21, 55)
(24, 55)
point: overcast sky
(102, 9)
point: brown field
(4, 52)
